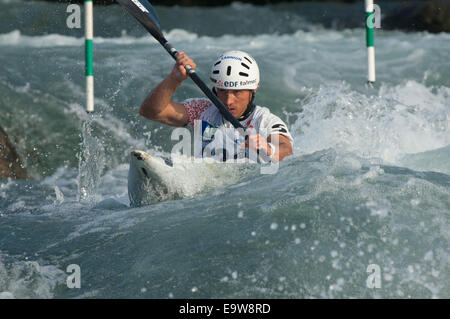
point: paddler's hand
(257, 143)
(179, 72)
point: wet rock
(10, 162)
(432, 16)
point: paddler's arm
(158, 105)
(283, 149)
(282, 145)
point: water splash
(91, 164)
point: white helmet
(235, 70)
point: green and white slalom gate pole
(89, 69)
(369, 40)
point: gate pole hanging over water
(89, 69)
(369, 40)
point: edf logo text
(230, 84)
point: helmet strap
(250, 108)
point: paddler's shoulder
(197, 101)
(197, 108)
(199, 104)
(262, 111)
(263, 117)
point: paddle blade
(143, 11)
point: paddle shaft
(202, 86)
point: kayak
(152, 179)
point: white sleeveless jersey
(261, 119)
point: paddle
(146, 15)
